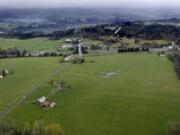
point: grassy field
(30, 44)
(37, 43)
(90, 42)
(140, 100)
(26, 73)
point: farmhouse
(68, 41)
(42, 99)
(173, 46)
(73, 41)
(67, 46)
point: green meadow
(37, 44)
(27, 73)
(30, 44)
(140, 99)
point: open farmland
(27, 73)
(140, 99)
(36, 44)
(30, 44)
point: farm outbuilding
(52, 105)
(45, 104)
(42, 99)
(1, 76)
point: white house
(42, 99)
(68, 41)
(67, 46)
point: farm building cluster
(45, 103)
(75, 58)
(71, 43)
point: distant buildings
(71, 43)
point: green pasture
(140, 99)
(26, 73)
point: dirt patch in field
(111, 74)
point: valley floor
(140, 99)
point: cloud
(84, 3)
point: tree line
(14, 52)
(37, 128)
(175, 58)
(133, 49)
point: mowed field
(140, 100)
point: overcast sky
(89, 3)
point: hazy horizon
(91, 3)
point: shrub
(46, 54)
(53, 129)
(78, 60)
(61, 60)
(37, 128)
(4, 73)
(175, 58)
(173, 129)
(24, 53)
(53, 54)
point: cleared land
(140, 99)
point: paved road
(35, 87)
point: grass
(92, 42)
(36, 44)
(159, 42)
(26, 73)
(131, 42)
(30, 44)
(140, 100)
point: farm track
(35, 87)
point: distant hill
(102, 13)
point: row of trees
(37, 128)
(175, 58)
(128, 29)
(122, 50)
(12, 53)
